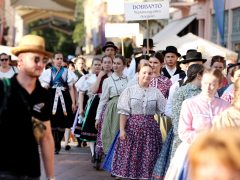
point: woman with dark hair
(218, 62)
(6, 70)
(83, 86)
(89, 132)
(159, 81)
(108, 125)
(60, 81)
(190, 88)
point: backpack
(6, 91)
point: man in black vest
(171, 56)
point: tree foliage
(79, 30)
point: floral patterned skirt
(99, 145)
(136, 156)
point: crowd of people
(143, 121)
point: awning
(191, 41)
(173, 28)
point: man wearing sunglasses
(6, 71)
(26, 100)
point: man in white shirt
(192, 57)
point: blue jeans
(11, 176)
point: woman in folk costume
(159, 81)
(196, 116)
(139, 143)
(83, 86)
(189, 89)
(231, 116)
(80, 70)
(109, 123)
(60, 82)
(228, 94)
(89, 132)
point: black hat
(150, 43)
(109, 44)
(190, 50)
(192, 56)
(171, 49)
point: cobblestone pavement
(75, 164)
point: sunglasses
(4, 59)
(37, 60)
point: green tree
(55, 40)
(79, 30)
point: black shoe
(84, 144)
(67, 147)
(98, 162)
(56, 152)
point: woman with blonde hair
(215, 155)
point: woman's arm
(95, 87)
(80, 102)
(123, 121)
(72, 94)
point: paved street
(76, 164)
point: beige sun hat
(31, 43)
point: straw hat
(31, 43)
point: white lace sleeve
(45, 78)
(161, 103)
(123, 105)
(81, 85)
(71, 78)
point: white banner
(121, 29)
(146, 10)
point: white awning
(191, 41)
(173, 28)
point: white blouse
(85, 82)
(45, 77)
(137, 100)
(112, 86)
(10, 73)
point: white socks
(91, 144)
(66, 136)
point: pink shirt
(197, 114)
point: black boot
(79, 142)
(98, 161)
(56, 141)
(59, 139)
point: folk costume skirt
(136, 156)
(59, 119)
(110, 124)
(99, 145)
(89, 132)
(164, 158)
